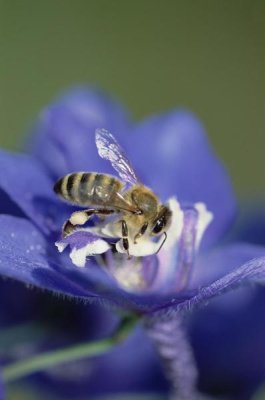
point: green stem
(77, 352)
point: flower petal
(182, 163)
(66, 129)
(134, 274)
(215, 264)
(24, 257)
(83, 244)
(7, 206)
(25, 182)
(252, 271)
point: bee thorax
(144, 199)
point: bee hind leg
(81, 217)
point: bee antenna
(160, 247)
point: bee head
(162, 221)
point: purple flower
(172, 156)
(168, 274)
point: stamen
(205, 217)
(134, 275)
(177, 256)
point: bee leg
(141, 232)
(81, 217)
(67, 228)
(124, 232)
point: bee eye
(159, 225)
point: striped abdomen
(88, 188)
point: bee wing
(109, 149)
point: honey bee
(137, 211)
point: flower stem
(41, 362)
(176, 356)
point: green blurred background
(208, 56)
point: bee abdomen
(67, 186)
(86, 188)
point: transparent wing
(109, 149)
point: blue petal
(252, 271)
(82, 244)
(66, 130)
(215, 264)
(172, 155)
(7, 206)
(24, 257)
(78, 239)
(25, 182)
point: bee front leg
(141, 232)
(81, 217)
(124, 232)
